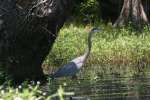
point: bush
(86, 7)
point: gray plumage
(69, 69)
(75, 65)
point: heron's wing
(79, 61)
(69, 69)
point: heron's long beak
(95, 30)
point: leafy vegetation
(122, 50)
(31, 92)
(88, 8)
(111, 46)
(113, 50)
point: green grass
(111, 46)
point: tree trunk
(27, 37)
(133, 11)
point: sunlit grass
(110, 46)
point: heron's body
(71, 67)
(75, 65)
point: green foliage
(86, 7)
(31, 92)
(111, 46)
(21, 93)
(112, 49)
(90, 7)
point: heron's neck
(89, 45)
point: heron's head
(95, 30)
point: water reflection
(113, 86)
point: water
(107, 86)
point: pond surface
(107, 86)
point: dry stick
(48, 31)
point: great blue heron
(75, 65)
